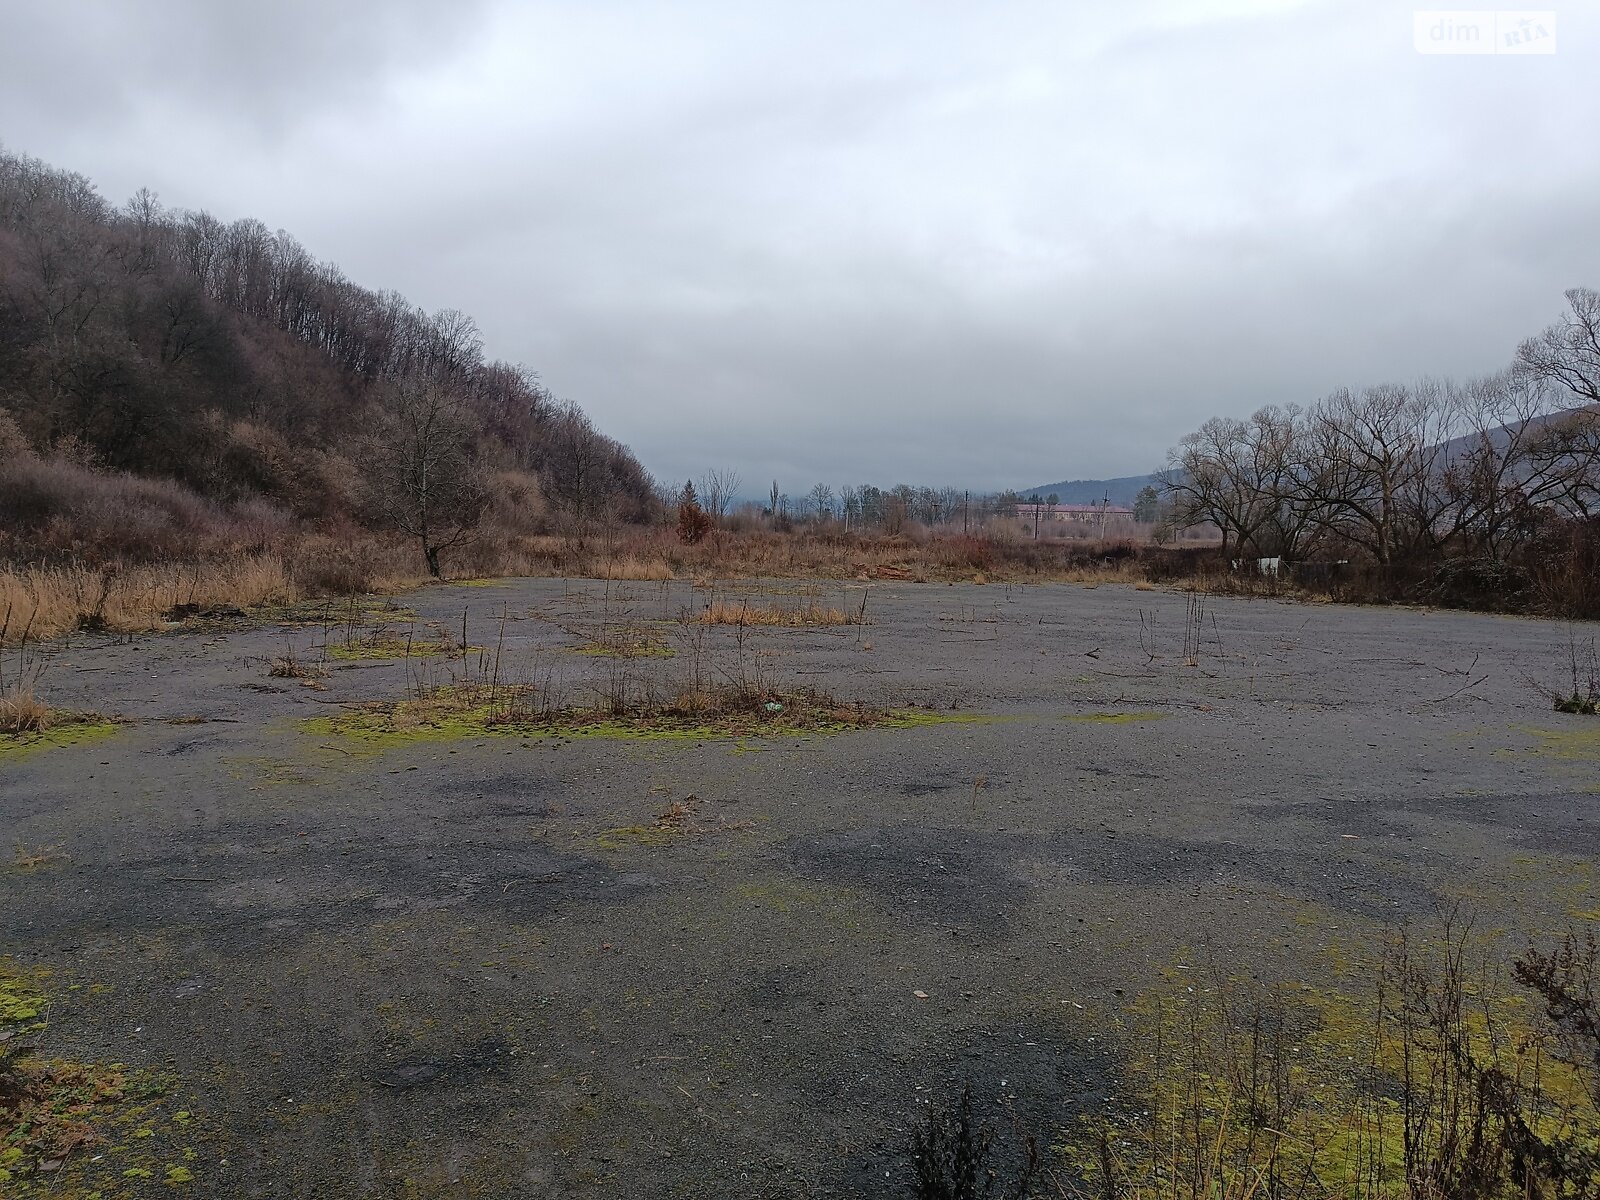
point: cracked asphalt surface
(448, 969)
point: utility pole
(966, 513)
(1105, 511)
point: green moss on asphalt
(385, 648)
(1579, 742)
(21, 996)
(17, 746)
(624, 836)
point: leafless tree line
(890, 510)
(1403, 475)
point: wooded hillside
(168, 379)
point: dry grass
(725, 613)
(290, 665)
(49, 601)
(636, 570)
(1126, 570)
(23, 712)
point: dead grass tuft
(636, 570)
(23, 712)
(775, 615)
(290, 665)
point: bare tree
(717, 490)
(423, 477)
(1568, 352)
(1374, 468)
(1492, 472)
(821, 500)
(1243, 477)
(850, 505)
(575, 471)
(1566, 456)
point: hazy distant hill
(1092, 491)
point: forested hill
(1122, 490)
(225, 357)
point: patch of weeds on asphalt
(680, 820)
(1565, 883)
(458, 711)
(626, 641)
(808, 615)
(27, 722)
(956, 1157)
(1440, 1058)
(53, 1110)
(262, 770)
(384, 645)
(22, 998)
(290, 665)
(353, 610)
(1581, 694)
(1586, 706)
(624, 836)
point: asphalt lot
(483, 967)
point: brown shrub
(1565, 568)
(14, 443)
(55, 509)
(516, 504)
(693, 522)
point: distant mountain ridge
(1120, 491)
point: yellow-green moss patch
(71, 1128)
(639, 649)
(1579, 742)
(624, 836)
(781, 895)
(22, 998)
(1229, 1078)
(71, 732)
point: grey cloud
(927, 241)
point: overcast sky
(979, 244)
